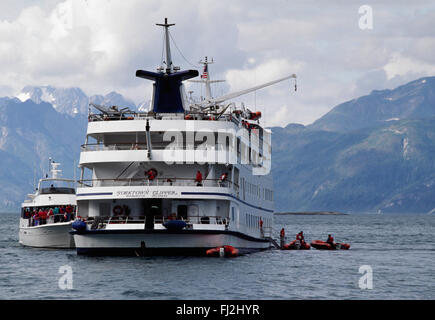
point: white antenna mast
(205, 78)
(55, 172)
(166, 25)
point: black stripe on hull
(165, 231)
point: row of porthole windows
(255, 190)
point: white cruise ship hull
(47, 236)
(162, 242)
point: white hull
(137, 242)
(47, 236)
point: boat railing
(167, 181)
(102, 222)
(52, 219)
(188, 115)
(155, 145)
(195, 219)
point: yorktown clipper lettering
(146, 194)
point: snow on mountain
(71, 101)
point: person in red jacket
(300, 237)
(42, 216)
(331, 241)
(282, 237)
(151, 175)
(198, 178)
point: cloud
(98, 45)
(400, 65)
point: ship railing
(102, 222)
(156, 182)
(188, 115)
(155, 146)
(53, 219)
(194, 219)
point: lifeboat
(254, 115)
(323, 245)
(227, 251)
(296, 245)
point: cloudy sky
(98, 45)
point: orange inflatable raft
(228, 251)
(296, 245)
(323, 245)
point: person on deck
(56, 214)
(223, 178)
(62, 214)
(261, 227)
(198, 178)
(151, 175)
(42, 216)
(50, 218)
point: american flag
(204, 73)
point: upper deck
(128, 137)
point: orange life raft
(229, 251)
(323, 245)
(296, 245)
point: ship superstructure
(179, 179)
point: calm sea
(399, 250)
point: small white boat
(47, 215)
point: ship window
(182, 211)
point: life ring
(153, 170)
(117, 210)
(68, 209)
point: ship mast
(168, 62)
(205, 78)
(167, 86)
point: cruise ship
(180, 179)
(47, 214)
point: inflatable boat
(323, 245)
(224, 251)
(296, 245)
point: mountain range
(371, 154)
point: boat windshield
(56, 186)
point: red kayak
(296, 245)
(323, 245)
(229, 251)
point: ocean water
(399, 250)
